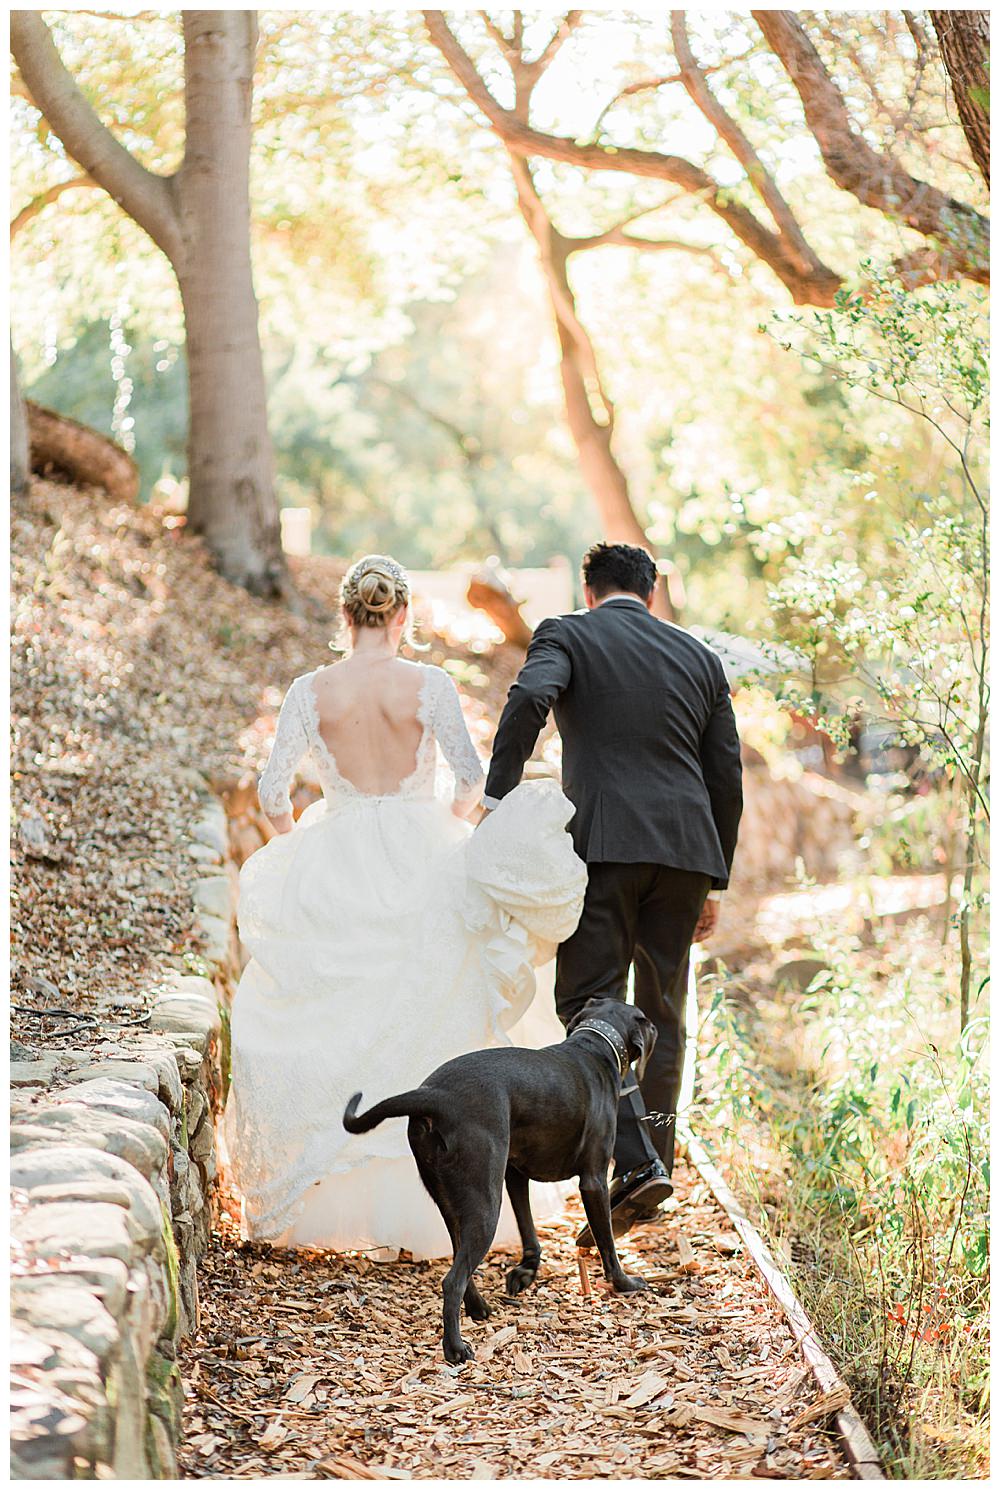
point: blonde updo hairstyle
(373, 592)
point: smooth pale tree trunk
(230, 464)
(20, 456)
(200, 218)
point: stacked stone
(112, 1165)
(113, 1171)
(215, 888)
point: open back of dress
(370, 741)
(371, 723)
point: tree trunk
(200, 218)
(592, 435)
(964, 38)
(80, 453)
(878, 179)
(602, 473)
(582, 388)
(18, 432)
(230, 468)
(604, 476)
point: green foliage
(891, 615)
(412, 455)
(896, 624)
(863, 1130)
(81, 383)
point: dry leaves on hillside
(134, 667)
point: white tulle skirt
(385, 937)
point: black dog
(514, 1115)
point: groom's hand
(706, 921)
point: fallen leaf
(732, 1422)
(686, 1260)
(649, 1386)
(273, 1434)
(835, 1400)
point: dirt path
(321, 1366)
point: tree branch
(524, 71)
(647, 85)
(877, 180)
(568, 24)
(469, 446)
(553, 252)
(144, 195)
(39, 203)
(617, 237)
(730, 132)
(521, 139)
(503, 41)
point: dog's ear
(583, 1014)
(641, 1038)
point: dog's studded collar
(610, 1034)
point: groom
(651, 761)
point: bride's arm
(290, 744)
(452, 734)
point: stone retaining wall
(112, 1170)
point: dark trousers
(641, 914)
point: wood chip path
(320, 1366)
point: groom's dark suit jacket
(651, 757)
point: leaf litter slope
(325, 1366)
(134, 666)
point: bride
(385, 937)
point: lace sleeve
(290, 744)
(452, 734)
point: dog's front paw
(455, 1352)
(520, 1278)
(629, 1283)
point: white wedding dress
(385, 937)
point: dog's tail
(418, 1103)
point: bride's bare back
(368, 714)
